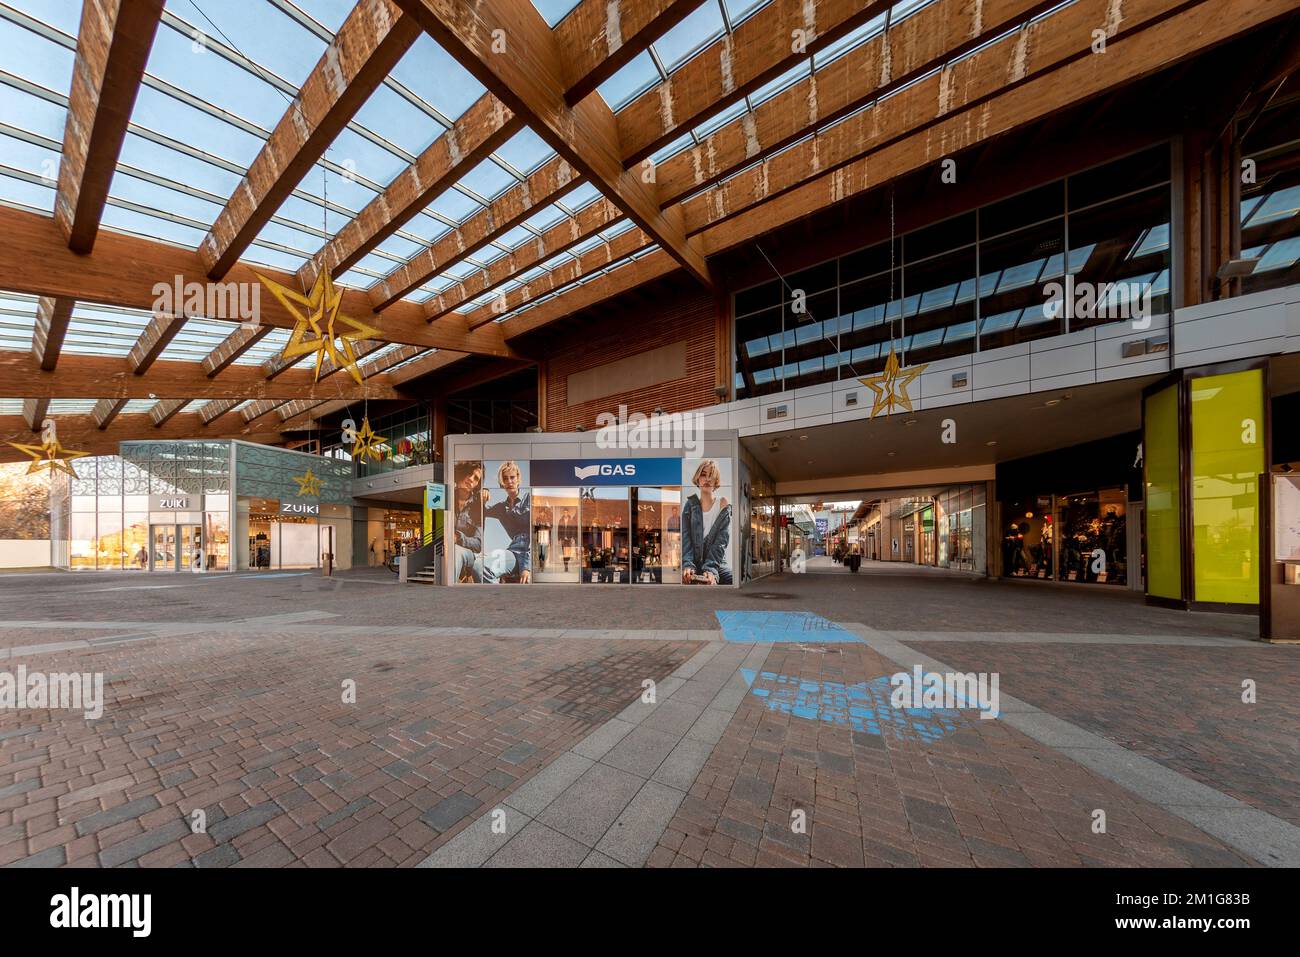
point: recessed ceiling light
(803, 438)
(891, 453)
(1052, 402)
(991, 442)
(910, 422)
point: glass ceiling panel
(700, 28)
(525, 151)
(487, 179)
(399, 121)
(637, 76)
(31, 113)
(553, 11)
(35, 58)
(63, 14)
(329, 13)
(260, 32)
(432, 74)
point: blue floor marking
(862, 707)
(781, 626)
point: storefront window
(555, 535)
(135, 540)
(217, 544)
(1028, 544)
(603, 515)
(109, 550)
(1093, 544)
(657, 535)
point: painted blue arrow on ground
(781, 626)
(863, 707)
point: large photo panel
(507, 523)
(467, 520)
(708, 497)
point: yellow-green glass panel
(1227, 458)
(1164, 522)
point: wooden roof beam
(126, 270)
(546, 183)
(483, 128)
(113, 44)
(600, 37)
(1165, 42)
(509, 49)
(774, 40)
(367, 46)
(53, 314)
(34, 412)
(909, 49)
(1031, 56)
(564, 235)
(81, 433)
(82, 376)
(593, 260)
(232, 347)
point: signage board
(605, 472)
(299, 508)
(435, 496)
(176, 503)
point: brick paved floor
(981, 795)
(890, 600)
(251, 728)
(224, 695)
(1179, 706)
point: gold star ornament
(367, 445)
(891, 385)
(49, 456)
(308, 484)
(319, 328)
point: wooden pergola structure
(694, 166)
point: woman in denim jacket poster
(706, 530)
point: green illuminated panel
(1227, 458)
(1160, 453)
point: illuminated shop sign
(299, 508)
(175, 503)
(590, 472)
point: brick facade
(624, 330)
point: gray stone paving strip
(1071, 638)
(607, 801)
(1255, 833)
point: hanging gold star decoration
(367, 445)
(308, 484)
(319, 329)
(891, 385)
(49, 456)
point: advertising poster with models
(707, 492)
(467, 528)
(507, 523)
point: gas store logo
(604, 469)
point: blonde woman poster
(507, 521)
(706, 522)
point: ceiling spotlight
(910, 422)
(803, 438)
(892, 453)
(1051, 402)
(774, 445)
(991, 442)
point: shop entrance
(176, 548)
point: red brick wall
(622, 331)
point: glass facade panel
(603, 514)
(555, 535)
(1227, 458)
(974, 282)
(1163, 500)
